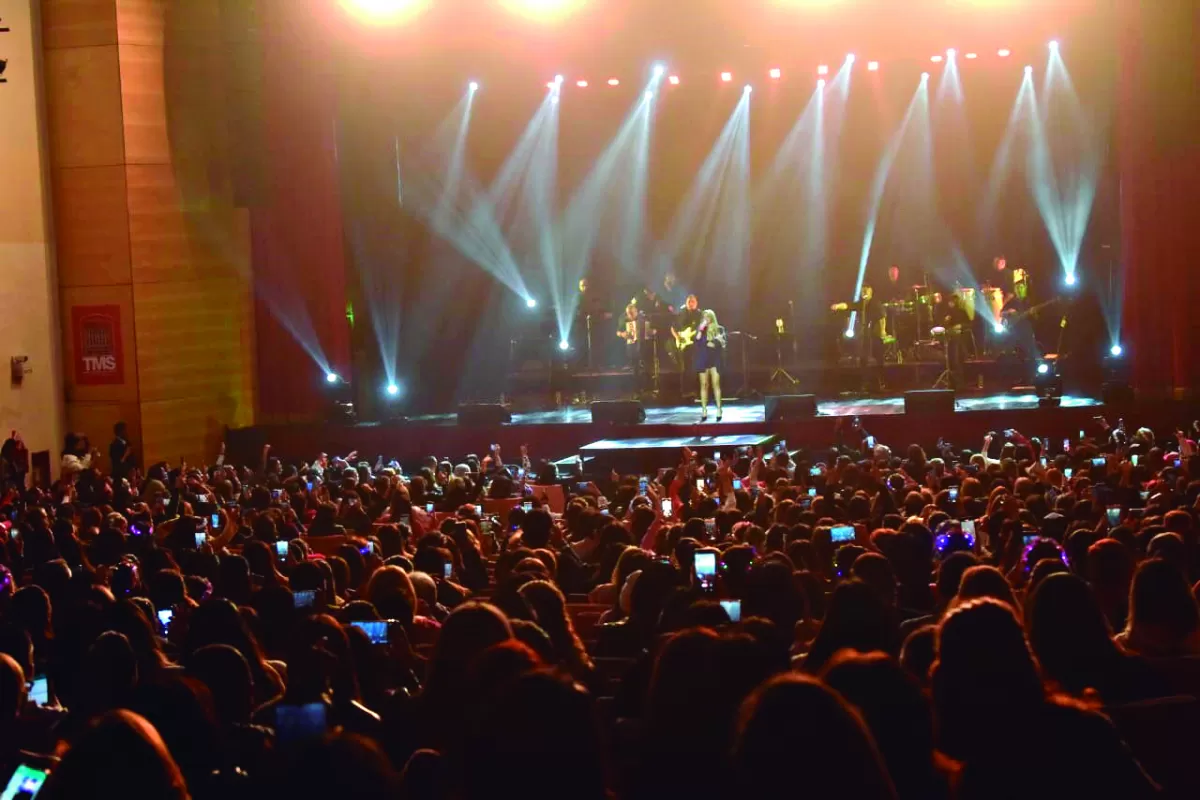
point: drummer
(894, 291)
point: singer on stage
(710, 347)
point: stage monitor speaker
(618, 412)
(483, 414)
(929, 401)
(783, 407)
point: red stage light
(673, 80)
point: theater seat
(1160, 733)
(552, 495)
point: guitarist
(687, 322)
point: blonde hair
(710, 317)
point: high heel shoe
(704, 415)
(720, 411)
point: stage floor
(753, 412)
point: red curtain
(1158, 138)
(296, 230)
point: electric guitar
(1009, 318)
(685, 338)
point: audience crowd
(843, 622)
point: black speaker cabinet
(479, 414)
(929, 401)
(781, 407)
(618, 412)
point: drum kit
(910, 322)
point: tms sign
(96, 335)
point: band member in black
(957, 322)
(684, 333)
(866, 326)
(631, 333)
(710, 348)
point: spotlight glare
(551, 85)
(849, 334)
(530, 302)
(581, 84)
(385, 12)
(473, 86)
(776, 73)
(1054, 44)
(936, 59)
(850, 58)
(1004, 52)
(649, 95)
(564, 345)
(613, 82)
(726, 77)
(1070, 279)
(1043, 368)
(872, 66)
(924, 76)
(659, 70)
(673, 80)
(823, 69)
(972, 56)
(747, 89)
(332, 377)
(558, 79)
(821, 83)
(393, 390)
(1116, 350)
(951, 53)
(998, 327)
(1028, 70)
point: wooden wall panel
(173, 238)
(100, 295)
(189, 427)
(144, 105)
(78, 23)
(91, 220)
(83, 103)
(97, 421)
(190, 339)
(143, 21)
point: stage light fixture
(820, 83)
(951, 53)
(613, 82)
(1116, 350)
(473, 86)
(564, 345)
(551, 85)
(649, 94)
(1028, 70)
(924, 76)
(849, 58)
(998, 328)
(776, 73)
(558, 80)
(659, 70)
(872, 66)
(530, 302)
(332, 378)
(972, 56)
(673, 80)
(849, 334)
(1054, 44)
(823, 69)
(726, 77)
(747, 89)
(392, 390)
(936, 59)
(1070, 280)
(1043, 368)
(581, 84)
(1004, 52)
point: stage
(559, 433)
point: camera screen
(667, 510)
(527, 506)
(447, 570)
(733, 608)
(25, 783)
(706, 564)
(200, 537)
(376, 630)
(164, 619)
(968, 526)
(842, 533)
(39, 690)
(1114, 514)
(298, 723)
(281, 549)
(304, 599)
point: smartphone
(39, 691)
(814, 472)
(953, 492)
(214, 520)
(667, 509)
(304, 598)
(527, 506)
(1081, 435)
(1066, 445)
(1144, 495)
(447, 570)
(1178, 463)
(25, 783)
(871, 442)
(706, 569)
(605, 512)
(376, 630)
(300, 723)
(308, 485)
(485, 526)
(1136, 513)
(276, 494)
(1029, 539)
(1068, 472)
(968, 526)
(733, 608)
(782, 446)
(140, 529)
(201, 537)
(710, 527)
(1043, 461)
(737, 484)
(352, 500)
(1114, 514)
(201, 498)
(1133, 459)
(699, 484)
(429, 508)
(164, 620)
(812, 491)
(716, 455)
(842, 533)
(581, 487)
(281, 549)
(406, 520)
(521, 472)
(1098, 462)
(643, 486)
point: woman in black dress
(710, 347)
